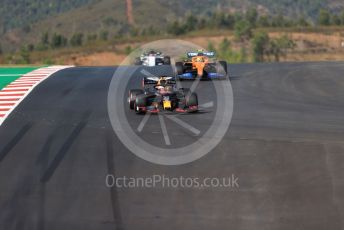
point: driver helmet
(199, 59)
(168, 89)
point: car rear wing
(148, 81)
(195, 54)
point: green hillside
(21, 13)
(25, 21)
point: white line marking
(36, 75)
(9, 101)
(143, 122)
(184, 125)
(10, 75)
(19, 83)
(33, 78)
(164, 130)
(9, 94)
(16, 87)
(8, 97)
(26, 82)
(12, 92)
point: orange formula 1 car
(201, 64)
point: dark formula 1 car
(201, 64)
(160, 94)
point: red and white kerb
(15, 92)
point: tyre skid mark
(15, 140)
(115, 205)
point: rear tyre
(191, 99)
(167, 60)
(179, 68)
(181, 96)
(138, 61)
(132, 97)
(211, 68)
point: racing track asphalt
(285, 144)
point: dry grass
(310, 47)
(301, 57)
(96, 59)
(326, 40)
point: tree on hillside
(302, 21)
(190, 23)
(24, 56)
(77, 39)
(26, 29)
(280, 21)
(263, 21)
(220, 20)
(243, 30)
(43, 44)
(175, 28)
(225, 45)
(226, 52)
(104, 35)
(30, 47)
(45, 38)
(238, 16)
(279, 46)
(128, 50)
(211, 47)
(133, 31)
(230, 21)
(243, 55)
(92, 37)
(260, 45)
(152, 30)
(335, 20)
(58, 41)
(202, 23)
(324, 18)
(252, 16)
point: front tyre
(191, 99)
(132, 97)
(140, 102)
(222, 68)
